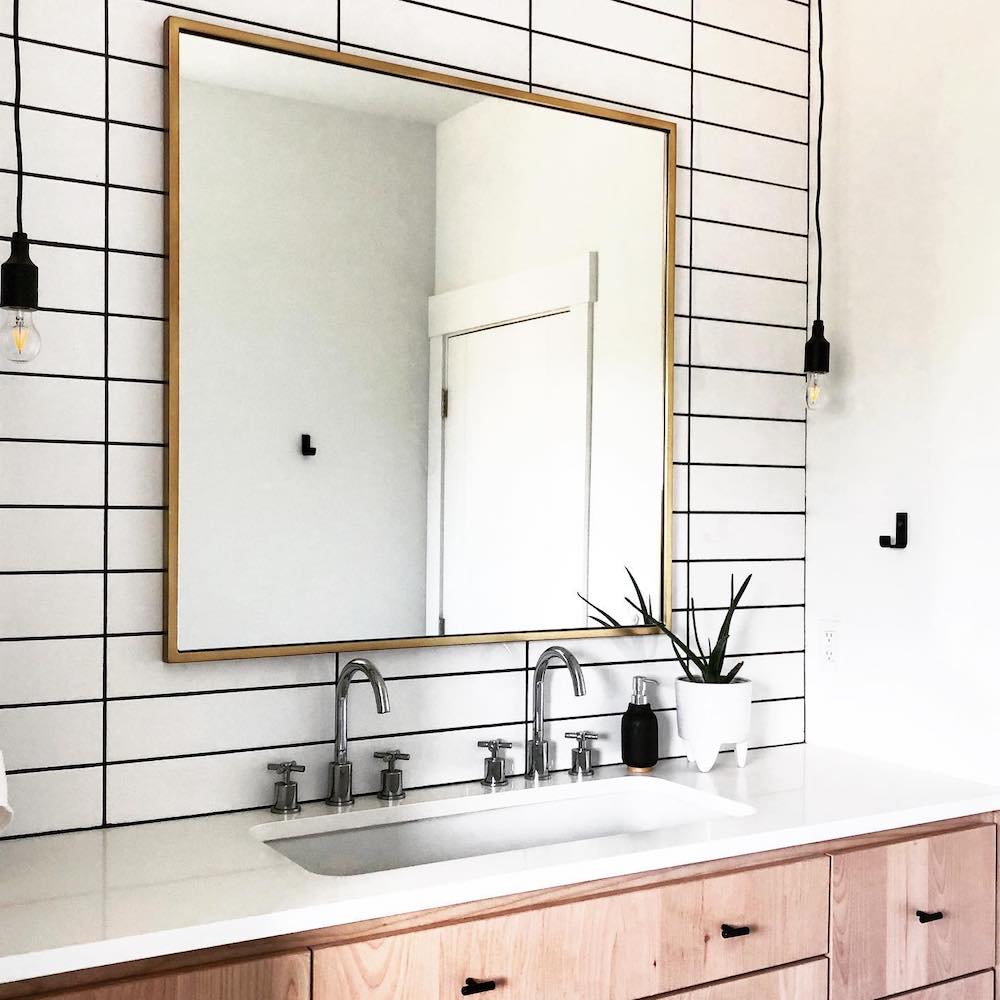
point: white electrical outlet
(828, 642)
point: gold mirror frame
(175, 27)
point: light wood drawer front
(973, 988)
(795, 982)
(282, 977)
(637, 944)
(879, 947)
(670, 938)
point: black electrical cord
(819, 163)
(17, 115)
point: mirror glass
(419, 329)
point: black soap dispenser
(640, 732)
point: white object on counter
(713, 716)
(97, 897)
(6, 813)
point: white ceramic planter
(711, 717)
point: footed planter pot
(711, 717)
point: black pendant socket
(817, 350)
(19, 277)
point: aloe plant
(711, 664)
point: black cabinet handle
(927, 918)
(474, 986)
(729, 931)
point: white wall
(304, 310)
(94, 725)
(912, 312)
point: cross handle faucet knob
(495, 746)
(391, 756)
(286, 768)
(583, 738)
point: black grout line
(107, 409)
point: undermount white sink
(528, 820)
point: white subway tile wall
(95, 728)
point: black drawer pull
(474, 986)
(729, 931)
(927, 918)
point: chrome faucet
(537, 764)
(341, 781)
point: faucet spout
(537, 764)
(341, 793)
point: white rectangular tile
(773, 582)
(135, 28)
(718, 488)
(758, 630)
(135, 157)
(439, 703)
(71, 345)
(435, 758)
(50, 670)
(618, 26)
(32, 473)
(135, 602)
(136, 285)
(54, 800)
(611, 649)
(510, 12)
(59, 211)
(444, 659)
(53, 408)
(752, 442)
(69, 279)
(749, 251)
(54, 79)
(79, 25)
(778, 20)
(136, 667)
(748, 300)
(51, 605)
(742, 345)
(135, 221)
(739, 105)
(438, 36)
(611, 77)
(753, 156)
(747, 394)
(750, 203)
(51, 735)
(740, 58)
(774, 675)
(135, 476)
(135, 412)
(135, 539)
(38, 539)
(58, 145)
(157, 727)
(135, 93)
(747, 536)
(135, 348)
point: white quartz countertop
(79, 900)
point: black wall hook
(307, 448)
(902, 535)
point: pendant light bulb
(19, 338)
(815, 391)
(817, 366)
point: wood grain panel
(878, 947)
(283, 977)
(795, 982)
(972, 988)
(615, 948)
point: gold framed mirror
(419, 355)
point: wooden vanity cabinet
(620, 947)
(279, 977)
(910, 914)
(835, 921)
